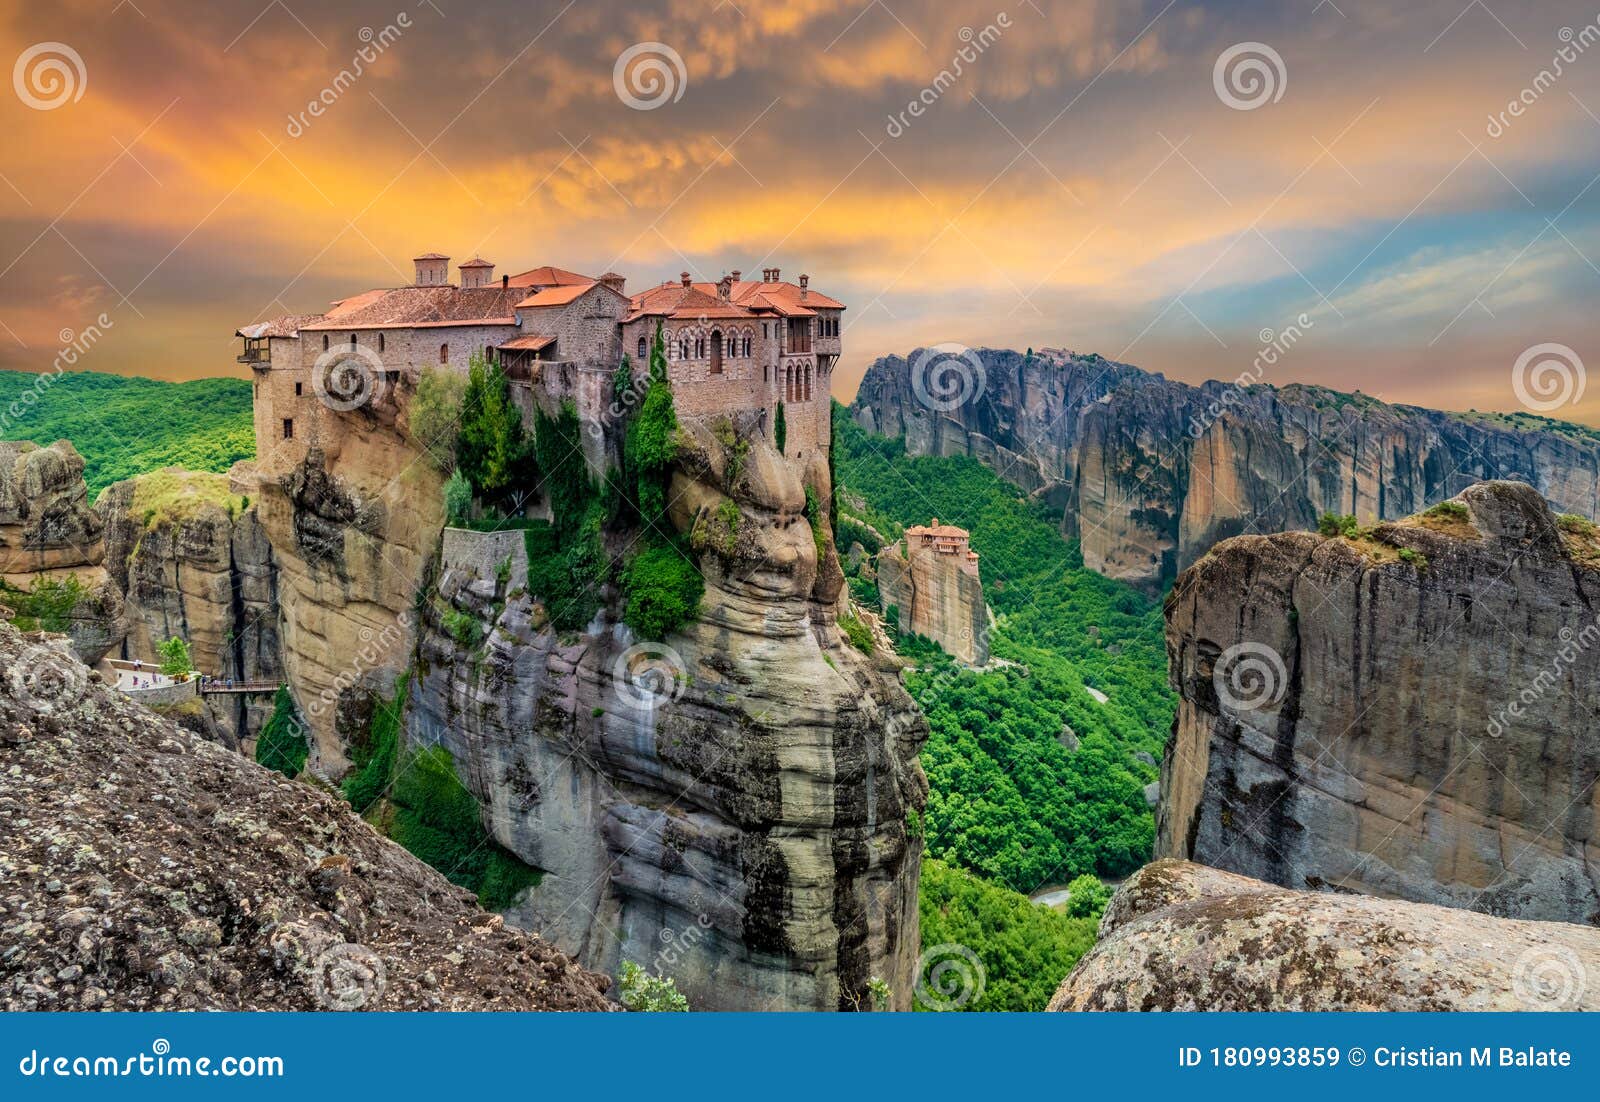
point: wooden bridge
(214, 686)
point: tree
(492, 450)
(780, 429)
(457, 500)
(652, 441)
(436, 414)
(1088, 897)
(663, 590)
(175, 659)
(282, 742)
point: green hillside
(1009, 800)
(125, 425)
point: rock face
(142, 868)
(1407, 713)
(45, 519)
(727, 808)
(1150, 473)
(352, 525)
(1179, 936)
(192, 560)
(935, 597)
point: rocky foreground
(143, 868)
(1179, 936)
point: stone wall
(482, 555)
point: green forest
(124, 425)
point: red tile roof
(555, 296)
(547, 276)
(421, 307)
(286, 326)
(476, 262)
(746, 298)
(531, 342)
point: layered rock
(45, 520)
(727, 808)
(353, 520)
(144, 869)
(1179, 936)
(192, 561)
(1407, 711)
(1150, 473)
(937, 595)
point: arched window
(747, 345)
(444, 353)
(380, 342)
(808, 383)
(716, 351)
(642, 352)
(352, 340)
(324, 342)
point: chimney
(805, 281)
(433, 269)
(725, 288)
(777, 276)
(476, 272)
(614, 281)
(684, 276)
(505, 282)
(736, 274)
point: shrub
(1087, 897)
(662, 589)
(1449, 510)
(436, 414)
(856, 632)
(458, 500)
(282, 743)
(465, 628)
(1577, 525)
(47, 606)
(643, 991)
(651, 443)
(1333, 524)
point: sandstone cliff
(727, 808)
(45, 519)
(191, 560)
(1150, 473)
(933, 596)
(353, 521)
(1405, 711)
(142, 868)
(1179, 936)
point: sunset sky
(1082, 182)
